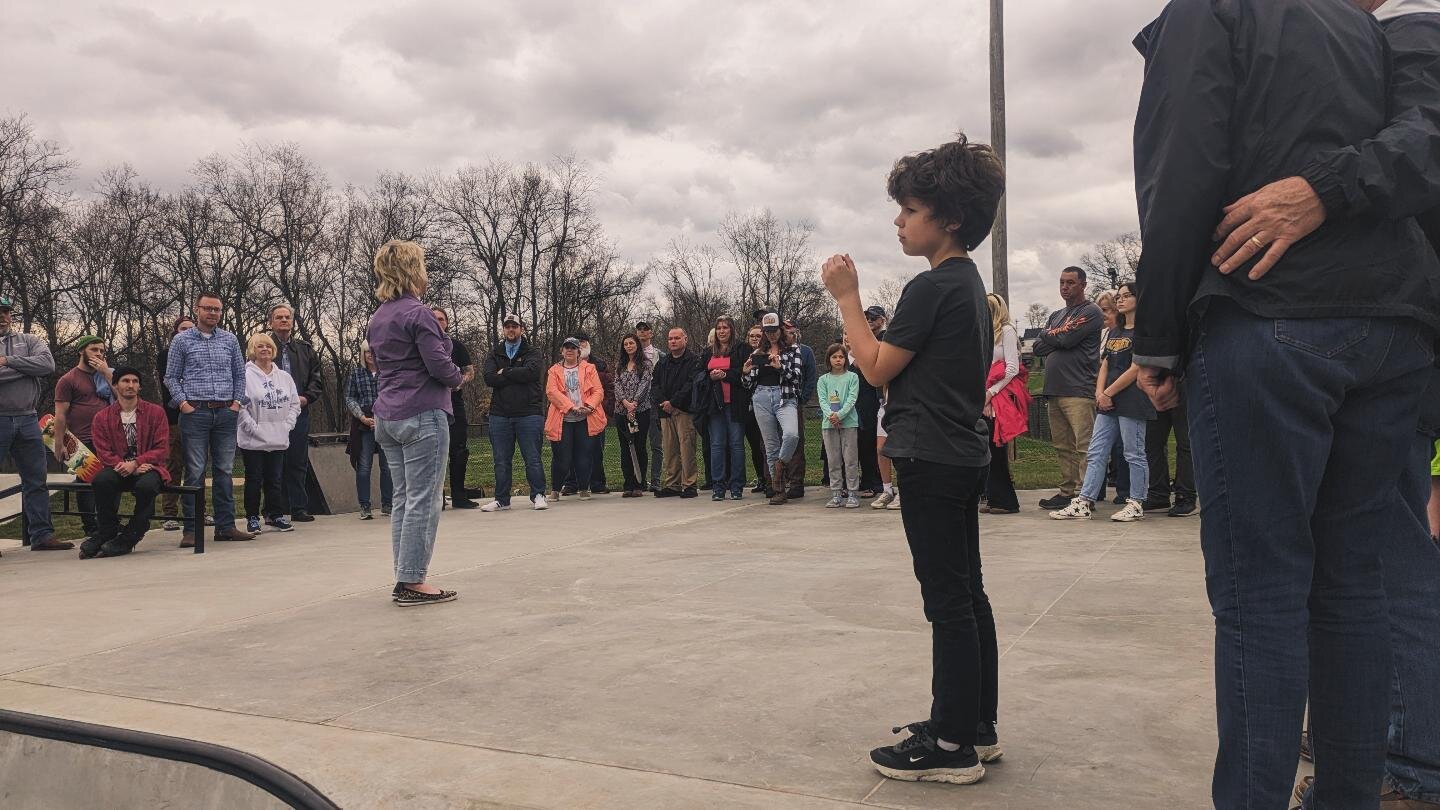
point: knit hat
(126, 370)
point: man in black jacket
(1303, 382)
(868, 407)
(299, 360)
(1390, 175)
(515, 372)
(672, 385)
(459, 457)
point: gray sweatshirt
(27, 362)
(1070, 344)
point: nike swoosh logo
(914, 760)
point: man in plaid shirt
(205, 373)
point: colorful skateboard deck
(82, 463)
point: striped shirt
(205, 368)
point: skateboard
(82, 463)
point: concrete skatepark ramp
(53, 764)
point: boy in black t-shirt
(934, 357)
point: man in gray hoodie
(25, 360)
(1378, 177)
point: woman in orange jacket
(576, 417)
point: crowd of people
(214, 401)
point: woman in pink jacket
(576, 417)
(1007, 405)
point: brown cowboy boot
(777, 482)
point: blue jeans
(210, 432)
(1412, 567)
(572, 455)
(1298, 428)
(727, 446)
(20, 437)
(779, 421)
(369, 448)
(505, 431)
(1131, 433)
(416, 450)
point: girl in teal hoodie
(840, 428)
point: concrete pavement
(633, 653)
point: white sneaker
(895, 502)
(852, 502)
(1132, 511)
(172, 525)
(1079, 509)
(540, 503)
(495, 506)
(883, 501)
(834, 502)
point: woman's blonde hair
(1105, 299)
(259, 339)
(400, 270)
(999, 314)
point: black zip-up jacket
(517, 392)
(1396, 173)
(1237, 94)
(304, 367)
(739, 396)
(673, 381)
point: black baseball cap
(875, 313)
(570, 343)
(642, 325)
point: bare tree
(33, 174)
(114, 239)
(1037, 315)
(692, 293)
(776, 267)
(1112, 263)
(886, 294)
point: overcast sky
(684, 110)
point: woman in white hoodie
(263, 429)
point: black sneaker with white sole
(987, 742)
(1182, 509)
(919, 758)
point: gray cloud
(685, 110)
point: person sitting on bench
(132, 440)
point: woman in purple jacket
(412, 413)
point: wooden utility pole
(999, 250)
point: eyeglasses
(208, 309)
(1123, 296)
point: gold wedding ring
(1255, 240)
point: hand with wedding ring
(1267, 221)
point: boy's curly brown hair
(961, 182)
